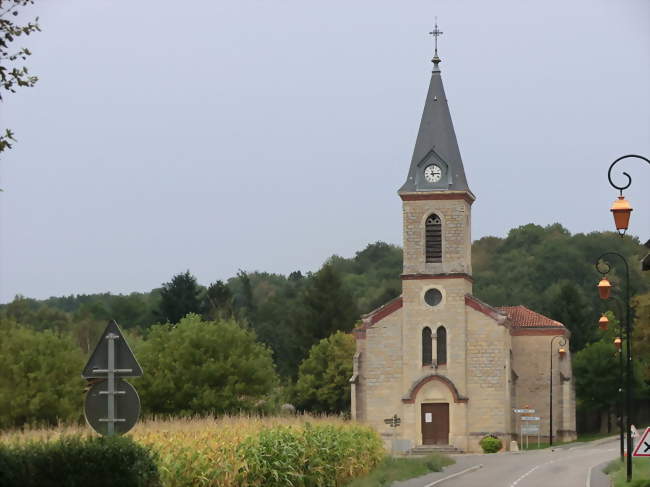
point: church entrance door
(435, 424)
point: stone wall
(488, 374)
(456, 236)
(531, 363)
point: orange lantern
(617, 343)
(603, 288)
(562, 352)
(603, 322)
(621, 210)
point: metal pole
(111, 384)
(620, 401)
(628, 366)
(628, 381)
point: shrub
(491, 444)
(40, 380)
(74, 461)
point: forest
(260, 340)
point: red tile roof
(522, 317)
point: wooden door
(435, 424)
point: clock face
(432, 173)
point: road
(569, 466)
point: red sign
(643, 446)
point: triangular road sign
(643, 446)
(126, 364)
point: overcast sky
(268, 135)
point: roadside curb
(454, 475)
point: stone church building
(450, 366)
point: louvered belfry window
(433, 229)
(441, 345)
(426, 346)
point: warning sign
(643, 446)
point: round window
(433, 297)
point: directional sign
(527, 411)
(125, 363)
(530, 429)
(126, 408)
(530, 418)
(643, 446)
(394, 422)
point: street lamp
(561, 351)
(603, 322)
(621, 208)
(628, 337)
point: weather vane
(435, 33)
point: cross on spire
(435, 33)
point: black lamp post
(622, 210)
(628, 346)
(550, 414)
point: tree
(40, 379)
(323, 384)
(179, 297)
(596, 372)
(566, 303)
(218, 301)
(12, 75)
(204, 367)
(328, 306)
(641, 337)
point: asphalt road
(571, 466)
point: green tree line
(260, 339)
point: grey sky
(217, 135)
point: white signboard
(428, 417)
(530, 418)
(526, 411)
(530, 429)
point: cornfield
(247, 451)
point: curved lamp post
(604, 291)
(561, 351)
(621, 208)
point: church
(452, 368)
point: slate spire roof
(436, 143)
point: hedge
(76, 461)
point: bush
(491, 444)
(40, 381)
(76, 461)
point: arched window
(441, 345)
(433, 230)
(426, 346)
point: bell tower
(436, 198)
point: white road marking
(557, 460)
(467, 470)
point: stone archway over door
(435, 424)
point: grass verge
(393, 469)
(640, 473)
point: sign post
(393, 422)
(115, 409)
(525, 429)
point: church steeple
(436, 164)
